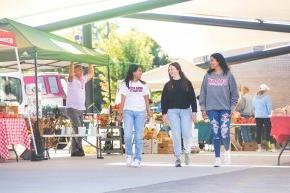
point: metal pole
(36, 92)
(251, 56)
(108, 69)
(109, 84)
(28, 112)
(211, 21)
(109, 13)
(87, 42)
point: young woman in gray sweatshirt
(218, 98)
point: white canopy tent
(178, 40)
(157, 77)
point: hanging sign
(7, 38)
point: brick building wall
(275, 72)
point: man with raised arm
(75, 103)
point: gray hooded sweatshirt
(218, 92)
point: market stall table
(12, 131)
(281, 132)
(234, 142)
(84, 137)
(205, 132)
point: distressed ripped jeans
(220, 122)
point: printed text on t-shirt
(136, 89)
(217, 82)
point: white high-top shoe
(128, 160)
(217, 162)
(136, 163)
(228, 158)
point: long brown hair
(184, 79)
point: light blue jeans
(134, 122)
(180, 122)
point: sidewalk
(251, 172)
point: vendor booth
(13, 129)
(24, 48)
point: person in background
(75, 103)
(246, 110)
(218, 97)
(178, 103)
(263, 109)
(9, 96)
(134, 110)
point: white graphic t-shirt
(134, 95)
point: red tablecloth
(12, 131)
(280, 128)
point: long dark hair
(129, 77)
(184, 79)
(222, 62)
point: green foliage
(123, 49)
(133, 47)
(156, 96)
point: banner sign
(7, 38)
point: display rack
(113, 137)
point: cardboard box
(163, 134)
(150, 146)
(250, 146)
(150, 134)
(165, 148)
(154, 146)
(9, 109)
(147, 148)
(166, 140)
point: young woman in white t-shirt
(134, 111)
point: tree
(133, 47)
(160, 58)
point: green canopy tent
(50, 50)
(36, 49)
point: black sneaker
(77, 154)
(177, 163)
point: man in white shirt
(75, 103)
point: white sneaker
(129, 160)
(217, 162)
(228, 158)
(186, 159)
(259, 148)
(136, 163)
(273, 149)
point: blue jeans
(180, 122)
(246, 134)
(220, 121)
(136, 120)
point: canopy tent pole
(36, 93)
(109, 84)
(28, 113)
(87, 42)
(108, 70)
